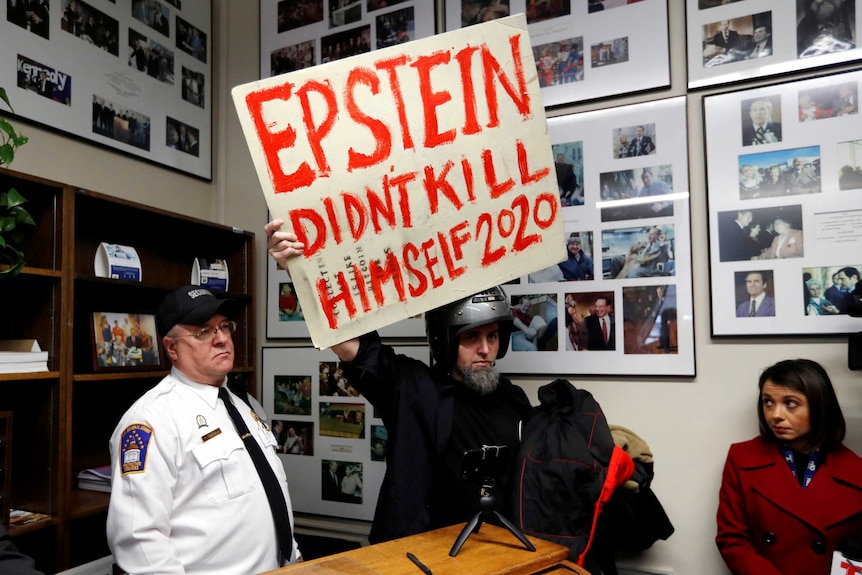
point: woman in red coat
(791, 496)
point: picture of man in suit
(642, 145)
(725, 38)
(601, 333)
(761, 130)
(330, 482)
(758, 303)
(734, 236)
(761, 43)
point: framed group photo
(330, 439)
(125, 342)
(296, 35)
(131, 75)
(731, 41)
(784, 174)
(584, 50)
(621, 303)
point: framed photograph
(285, 320)
(134, 76)
(584, 50)
(784, 170)
(732, 41)
(621, 303)
(330, 439)
(126, 341)
(295, 35)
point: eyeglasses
(208, 333)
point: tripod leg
(465, 533)
(515, 531)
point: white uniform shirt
(185, 496)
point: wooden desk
(491, 551)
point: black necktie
(753, 310)
(267, 477)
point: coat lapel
(834, 495)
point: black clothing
(12, 561)
(418, 407)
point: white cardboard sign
(415, 175)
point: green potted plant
(12, 214)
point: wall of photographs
(732, 40)
(330, 439)
(621, 302)
(584, 50)
(295, 35)
(131, 75)
(783, 184)
(783, 215)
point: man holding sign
(433, 415)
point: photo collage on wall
(132, 75)
(296, 35)
(729, 41)
(624, 290)
(783, 182)
(332, 443)
(584, 50)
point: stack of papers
(22, 356)
(96, 479)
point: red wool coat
(769, 525)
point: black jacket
(417, 406)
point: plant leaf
(5, 98)
(7, 154)
(14, 198)
(7, 224)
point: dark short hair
(849, 271)
(810, 379)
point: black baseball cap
(193, 305)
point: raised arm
(283, 245)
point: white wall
(689, 422)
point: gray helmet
(445, 324)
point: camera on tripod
(487, 462)
(485, 465)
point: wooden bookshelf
(62, 419)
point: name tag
(211, 434)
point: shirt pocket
(226, 471)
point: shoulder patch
(134, 442)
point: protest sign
(415, 175)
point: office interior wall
(689, 423)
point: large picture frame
(585, 49)
(294, 37)
(784, 173)
(285, 320)
(320, 421)
(623, 180)
(134, 76)
(124, 341)
(736, 41)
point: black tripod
(486, 508)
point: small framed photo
(126, 341)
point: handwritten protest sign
(415, 175)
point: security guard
(186, 496)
